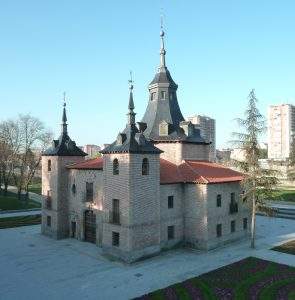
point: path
(20, 213)
(32, 196)
(37, 267)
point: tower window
(115, 217)
(170, 201)
(115, 167)
(218, 200)
(145, 166)
(48, 200)
(49, 165)
(170, 232)
(245, 223)
(163, 95)
(74, 189)
(219, 230)
(153, 96)
(232, 226)
(89, 191)
(115, 238)
(48, 221)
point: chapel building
(153, 188)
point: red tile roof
(197, 172)
(89, 164)
(189, 171)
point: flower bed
(250, 278)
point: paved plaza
(36, 267)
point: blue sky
(216, 52)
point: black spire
(131, 140)
(64, 146)
(64, 117)
(131, 114)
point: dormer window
(163, 128)
(153, 96)
(163, 95)
(115, 167)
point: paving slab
(37, 267)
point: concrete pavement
(37, 267)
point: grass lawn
(250, 278)
(19, 221)
(285, 195)
(35, 188)
(11, 202)
(288, 247)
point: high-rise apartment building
(281, 130)
(208, 132)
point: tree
(33, 139)
(291, 161)
(259, 183)
(9, 147)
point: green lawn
(35, 188)
(19, 221)
(288, 247)
(250, 278)
(285, 195)
(11, 202)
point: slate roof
(64, 146)
(131, 141)
(89, 164)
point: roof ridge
(204, 178)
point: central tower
(165, 124)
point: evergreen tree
(258, 183)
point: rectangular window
(163, 95)
(48, 221)
(218, 200)
(115, 239)
(219, 230)
(116, 211)
(245, 223)
(170, 201)
(170, 232)
(232, 197)
(49, 165)
(232, 226)
(89, 191)
(48, 200)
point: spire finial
(64, 116)
(162, 50)
(131, 114)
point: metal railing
(233, 208)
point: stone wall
(77, 200)
(172, 216)
(139, 199)
(222, 215)
(56, 182)
(177, 152)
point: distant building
(281, 130)
(208, 132)
(91, 150)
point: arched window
(49, 165)
(115, 167)
(145, 166)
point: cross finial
(130, 81)
(64, 99)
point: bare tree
(259, 183)
(33, 139)
(9, 147)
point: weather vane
(130, 81)
(64, 98)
